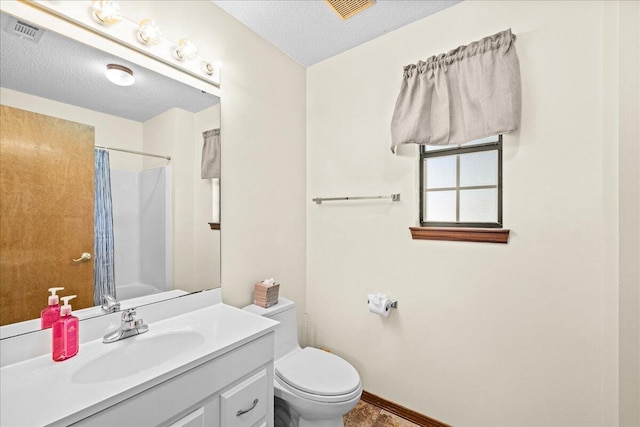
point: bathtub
(135, 290)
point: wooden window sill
(214, 225)
(487, 235)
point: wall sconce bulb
(186, 49)
(106, 12)
(208, 68)
(149, 32)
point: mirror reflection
(104, 190)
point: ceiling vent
(347, 8)
(24, 30)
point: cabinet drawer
(246, 403)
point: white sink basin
(135, 354)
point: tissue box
(266, 295)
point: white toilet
(313, 388)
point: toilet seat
(318, 375)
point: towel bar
(394, 197)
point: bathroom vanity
(212, 366)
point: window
(461, 186)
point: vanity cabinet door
(246, 403)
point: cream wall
(629, 182)
(207, 241)
(263, 147)
(485, 334)
(196, 248)
(170, 134)
(110, 131)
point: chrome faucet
(110, 304)
(130, 326)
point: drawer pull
(244, 411)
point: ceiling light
(186, 50)
(149, 32)
(120, 75)
(106, 12)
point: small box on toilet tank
(265, 293)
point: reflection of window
(461, 186)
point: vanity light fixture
(106, 12)
(120, 75)
(186, 50)
(149, 32)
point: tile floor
(366, 415)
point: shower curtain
(103, 276)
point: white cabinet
(219, 392)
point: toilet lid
(318, 372)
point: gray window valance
(468, 93)
(211, 154)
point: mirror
(161, 210)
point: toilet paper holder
(377, 299)
(393, 303)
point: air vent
(24, 30)
(347, 8)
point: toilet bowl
(315, 388)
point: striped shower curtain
(103, 274)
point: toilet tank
(286, 334)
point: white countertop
(39, 391)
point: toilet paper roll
(381, 306)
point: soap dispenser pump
(52, 312)
(66, 333)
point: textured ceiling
(67, 71)
(309, 31)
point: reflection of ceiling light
(106, 12)
(149, 32)
(120, 75)
(186, 50)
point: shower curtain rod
(134, 152)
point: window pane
(440, 172)
(479, 205)
(479, 168)
(440, 206)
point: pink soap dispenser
(52, 312)
(66, 337)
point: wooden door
(46, 212)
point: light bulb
(208, 68)
(186, 50)
(149, 32)
(106, 12)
